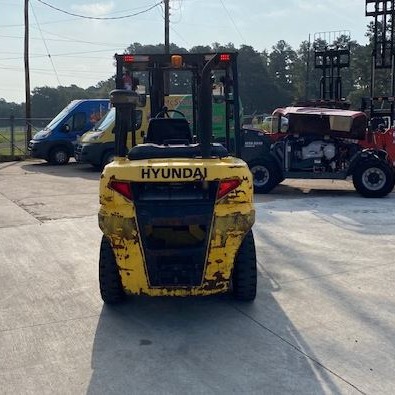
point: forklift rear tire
(265, 175)
(110, 281)
(244, 278)
(59, 156)
(373, 179)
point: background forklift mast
(380, 104)
(331, 54)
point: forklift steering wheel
(165, 113)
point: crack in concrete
(299, 350)
(336, 273)
(48, 323)
(19, 206)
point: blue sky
(81, 50)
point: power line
(179, 36)
(65, 40)
(233, 22)
(61, 71)
(65, 73)
(178, 8)
(101, 18)
(68, 53)
(45, 44)
(76, 40)
(43, 23)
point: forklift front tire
(244, 278)
(111, 289)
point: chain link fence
(13, 135)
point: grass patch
(18, 151)
(5, 136)
(5, 144)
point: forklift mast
(331, 54)
(381, 104)
(201, 69)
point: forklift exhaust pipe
(206, 108)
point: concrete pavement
(323, 321)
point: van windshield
(60, 117)
(109, 119)
(106, 121)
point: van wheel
(59, 156)
(108, 158)
(266, 176)
(109, 279)
(244, 278)
(373, 179)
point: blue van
(55, 143)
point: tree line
(267, 80)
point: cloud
(334, 6)
(94, 9)
(306, 6)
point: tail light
(128, 58)
(226, 186)
(135, 58)
(123, 188)
(224, 57)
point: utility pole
(167, 22)
(307, 85)
(28, 112)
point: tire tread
(244, 277)
(111, 289)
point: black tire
(59, 156)
(266, 175)
(244, 278)
(373, 178)
(107, 158)
(111, 289)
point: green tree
(257, 91)
(201, 49)
(10, 108)
(281, 70)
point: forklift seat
(171, 138)
(163, 131)
(152, 151)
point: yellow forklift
(176, 211)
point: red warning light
(128, 58)
(224, 57)
(135, 58)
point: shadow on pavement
(301, 191)
(72, 169)
(202, 345)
